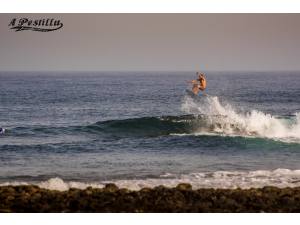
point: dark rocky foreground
(159, 199)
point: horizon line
(126, 71)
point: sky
(154, 42)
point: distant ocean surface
(141, 129)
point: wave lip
(220, 179)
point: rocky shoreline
(31, 198)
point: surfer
(199, 84)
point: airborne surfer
(198, 84)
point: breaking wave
(231, 122)
(204, 116)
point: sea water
(141, 129)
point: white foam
(58, 184)
(253, 123)
(219, 179)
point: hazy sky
(154, 42)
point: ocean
(141, 129)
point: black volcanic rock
(159, 199)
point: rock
(160, 187)
(158, 199)
(8, 190)
(184, 187)
(88, 191)
(111, 187)
(145, 190)
(10, 198)
(6, 211)
(270, 189)
(124, 191)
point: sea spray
(224, 119)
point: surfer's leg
(195, 89)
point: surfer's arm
(192, 81)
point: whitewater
(223, 119)
(220, 179)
